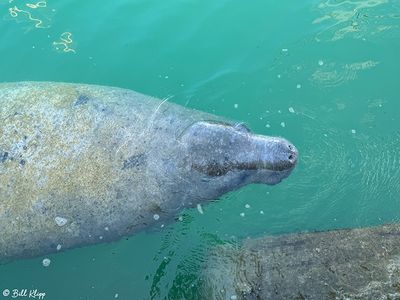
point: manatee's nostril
(290, 157)
(290, 147)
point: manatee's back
(75, 162)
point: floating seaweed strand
(39, 4)
(14, 12)
(65, 40)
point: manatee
(359, 263)
(84, 164)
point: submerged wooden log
(340, 264)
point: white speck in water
(353, 131)
(291, 109)
(298, 86)
(180, 218)
(236, 105)
(283, 124)
(279, 111)
(106, 228)
(261, 212)
(46, 262)
(242, 214)
(166, 77)
(58, 247)
(247, 206)
(285, 50)
(101, 237)
(60, 221)
(116, 296)
(162, 225)
(33, 47)
(156, 217)
(325, 135)
(321, 62)
(200, 209)
(233, 297)
(279, 75)
(267, 125)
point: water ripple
(380, 169)
(332, 75)
(356, 19)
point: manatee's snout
(273, 158)
(277, 154)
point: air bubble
(200, 209)
(46, 262)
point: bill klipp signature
(16, 293)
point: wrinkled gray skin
(83, 164)
(356, 264)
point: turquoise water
(324, 74)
